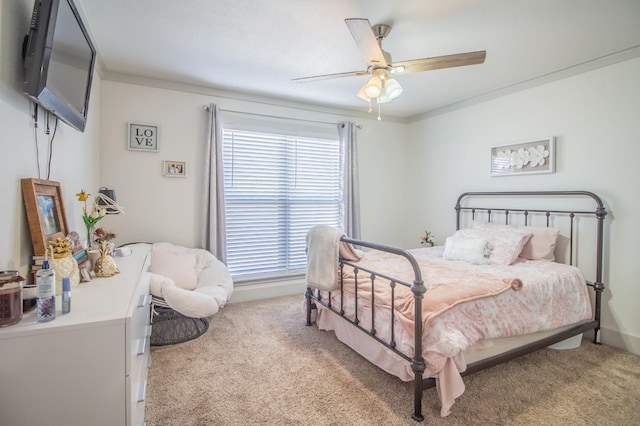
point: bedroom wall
(594, 117)
(159, 208)
(75, 162)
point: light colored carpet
(260, 365)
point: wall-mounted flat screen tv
(59, 58)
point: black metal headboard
(508, 212)
(466, 203)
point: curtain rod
(206, 108)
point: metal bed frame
(314, 296)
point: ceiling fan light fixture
(383, 98)
(373, 87)
(392, 88)
(361, 93)
(390, 91)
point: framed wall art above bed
(524, 158)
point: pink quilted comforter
(447, 286)
(552, 295)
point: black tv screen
(59, 58)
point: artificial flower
(82, 196)
(427, 239)
(90, 217)
(102, 234)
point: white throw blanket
(324, 248)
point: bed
(513, 278)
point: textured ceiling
(257, 47)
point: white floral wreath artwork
(536, 156)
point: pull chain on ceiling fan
(381, 85)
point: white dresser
(87, 367)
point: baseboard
(617, 339)
(267, 290)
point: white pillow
(472, 250)
(506, 242)
(540, 246)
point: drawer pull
(144, 300)
(149, 361)
(148, 330)
(142, 391)
(142, 347)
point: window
(277, 187)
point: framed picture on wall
(143, 137)
(528, 157)
(173, 168)
(45, 212)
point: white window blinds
(277, 187)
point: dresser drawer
(138, 326)
(137, 392)
(140, 334)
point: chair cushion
(180, 267)
(189, 303)
(192, 281)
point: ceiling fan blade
(366, 41)
(329, 76)
(438, 62)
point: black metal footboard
(314, 296)
(417, 288)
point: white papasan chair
(188, 286)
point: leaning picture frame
(46, 215)
(523, 158)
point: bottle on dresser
(66, 295)
(46, 293)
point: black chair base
(170, 327)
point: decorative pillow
(179, 267)
(471, 250)
(542, 244)
(506, 241)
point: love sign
(143, 137)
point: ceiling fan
(381, 84)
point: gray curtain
(349, 178)
(213, 236)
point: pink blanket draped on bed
(447, 286)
